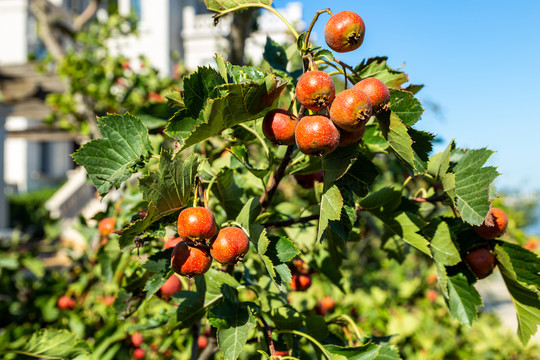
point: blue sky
(479, 62)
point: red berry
(377, 92)
(190, 260)
(301, 282)
(307, 181)
(230, 245)
(317, 135)
(344, 31)
(431, 295)
(325, 305)
(431, 278)
(137, 339)
(171, 286)
(202, 341)
(481, 261)
(351, 110)
(351, 137)
(279, 125)
(138, 353)
(196, 223)
(494, 225)
(106, 226)
(315, 90)
(66, 302)
(171, 242)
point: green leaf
(338, 162)
(527, 306)
(55, 344)
(241, 153)
(365, 352)
(395, 132)
(521, 265)
(221, 5)
(373, 140)
(279, 272)
(386, 199)
(377, 68)
(226, 190)
(472, 182)
(213, 105)
(359, 177)
(281, 250)
(249, 213)
(463, 299)
(407, 225)
(439, 163)
(422, 146)
(160, 264)
(275, 54)
(209, 286)
(237, 322)
(331, 205)
(323, 54)
(405, 106)
(443, 248)
(169, 189)
(122, 151)
(190, 309)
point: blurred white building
(32, 156)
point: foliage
(384, 234)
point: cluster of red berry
(347, 112)
(197, 243)
(481, 260)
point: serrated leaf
(113, 159)
(359, 177)
(377, 68)
(438, 164)
(169, 189)
(132, 230)
(330, 209)
(365, 352)
(521, 265)
(209, 286)
(221, 5)
(405, 106)
(275, 54)
(422, 145)
(443, 248)
(233, 333)
(160, 264)
(323, 54)
(190, 309)
(395, 132)
(373, 140)
(55, 344)
(226, 190)
(281, 249)
(213, 105)
(249, 213)
(337, 163)
(241, 153)
(472, 182)
(527, 306)
(279, 272)
(463, 299)
(407, 225)
(386, 199)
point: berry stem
(348, 67)
(267, 7)
(315, 18)
(271, 346)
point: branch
(430, 199)
(285, 223)
(266, 199)
(271, 346)
(86, 15)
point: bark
(240, 30)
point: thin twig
(348, 67)
(430, 199)
(266, 199)
(268, 329)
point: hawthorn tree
(384, 197)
